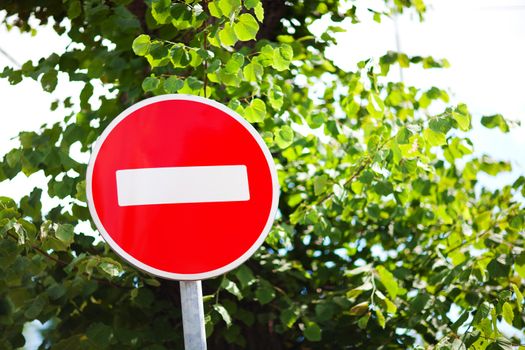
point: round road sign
(182, 187)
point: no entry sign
(182, 187)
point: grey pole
(192, 315)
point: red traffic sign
(182, 187)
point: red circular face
(182, 187)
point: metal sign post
(192, 315)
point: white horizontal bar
(193, 184)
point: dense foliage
(384, 238)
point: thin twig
(10, 58)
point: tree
(384, 232)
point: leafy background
(383, 231)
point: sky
(484, 41)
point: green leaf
(284, 136)
(229, 79)
(483, 220)
(182, 16)
(383, 188)
(266, 55)
(519, 297)
(246, 28)
(245, 276)
(214, 9)
(380, 318)
(228, 7)
(471, 338)
(13, 157)
(160, 10)
(179, 56)
(495, 121)
(481, 313)
(56, 291)
(459, 322)
(462, 120)
(152, 282)
(35, 308)
(100, 334)
(110, 266)
(150, 84)
(196, 59)
(65, 233)
(158, 55)
(265, 293)
(403, 60)
(256, 111)
(253, 72)
(224, 314)
(498, 268)
(194, 83)
(249, 4)
(320, 184)
(440, 125)
(373, 144)
(259, 12)
(503, 343)
(172, 84)
(247, 317)
(235, 63)
(26, 139)
(75, 9)
(434, 138)
(403, 136)
(289, 316)
(227, 35)
(231, 287)
(282, 57)
(141, 45)
(517, 222)
(492, 167)
(49, 80)
(214, 65)
(316, 120)
(388, 280)
(85, 95)
(508, 314)
(312, 332)
(391, 308)
(276, 97)
(363, 321)
(359, 309)
(418, 304)
(375, 106)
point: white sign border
(166, 274)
